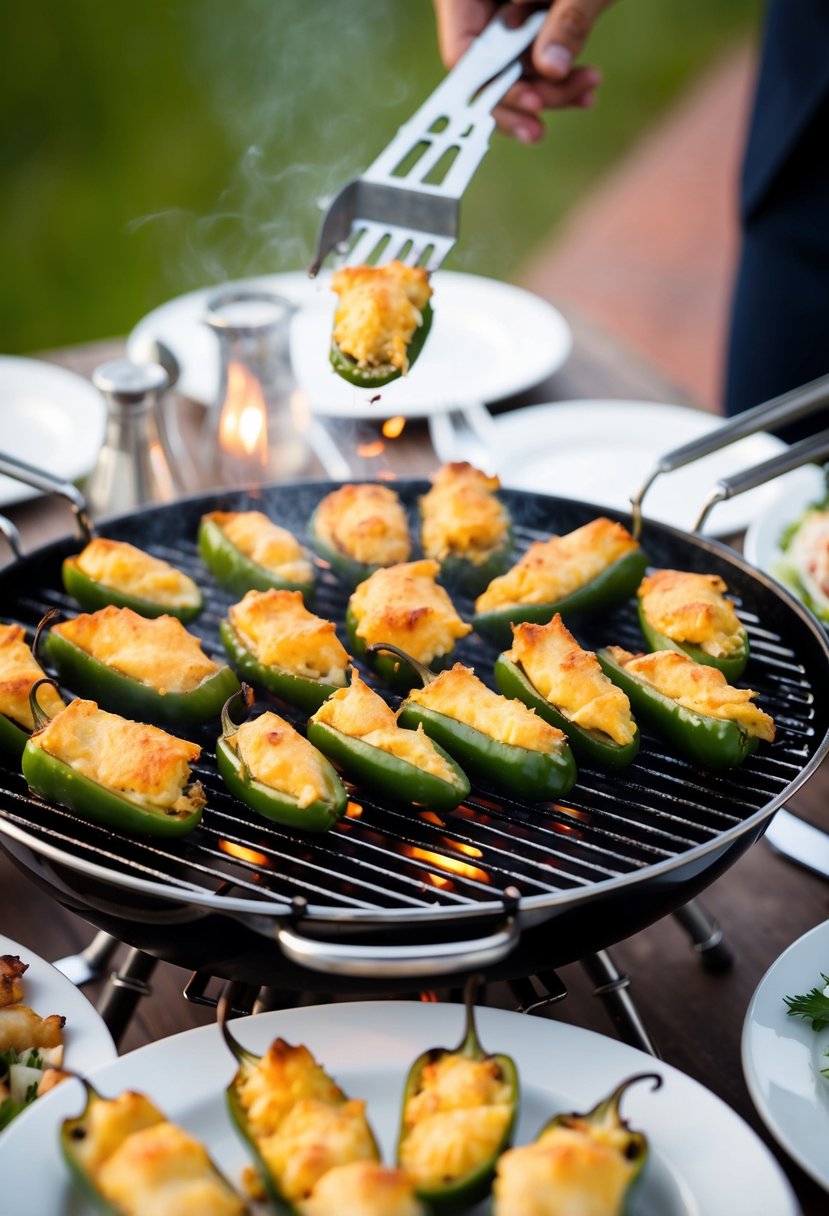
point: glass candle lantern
(254, 432)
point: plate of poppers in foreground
(784, 1049)
(46, 1026)
(594, 1121)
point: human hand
(552, 82)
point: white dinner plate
(87, 1041)
(602, 451)
(489, 340)
(761, 545)
(705, 1161)
(783, 1056)
(51, 418)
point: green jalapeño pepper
(376, 377)
(58, 781)
(303, 691)
(318, 815)
(612, 587)
(536, 775)
(606, 1128)
(139, 1116)
(462, 574)
(712, 743)
(90, 677)
(239, 573)
(380, 769)
(92, 593)
(732, 666)
(347, 569)
(494, 1079)
(591, 745)
(303, 1078)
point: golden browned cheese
(278, 629)
(141, 763)
(265, 543)
(698, 687)
(571, 679)
(459, 694)
(462, 515)
(379, 309)
(456, 1120)
(11, 973)
(403, 604)
(18, 672)
(21, 1028)
(278, 756)
(158, 652)
(554, 568)
(302, 1123)
(366, 523)
(162, 1170)
(363, 1188)
(692, 608)
(131, 571)
(566, 1171)
(358, 711)
(109, 1122)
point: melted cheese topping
(163, 1171)
(264, 542)
(313, 1138)
(278, 756)
(109, 1122)
(366, 523)
(456, 1120)
(131, 571)
(358, 711)
(566, 1172)
(18, 672)
(461, 515)
(141, 763)
(21, 1028)
(12, 971)
(555, 568)
(363, 1188)
(692, 608)
(459, 694)
(301, 1120)
(404, 605)
(379, 309)
(571, 679)
(280, 631)
(158, 652)
(702, 689)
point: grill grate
(384, 856)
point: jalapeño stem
(607, 1110)
(426, 675)
(245, 694)
(470, 1044)
(46, 619)
(39, 716)
(223, 1011)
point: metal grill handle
(436, 958)
(49, 484)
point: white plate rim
(583, 1065)
(69, 392)
(795, 970)
(539, 358)
(88, 1043)
(516, 431)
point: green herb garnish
(814, 1005)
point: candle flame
(393, 427)
(369, 451)
(243, 430)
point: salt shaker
(134, 465)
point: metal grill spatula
(406, 205)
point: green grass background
(151, 146)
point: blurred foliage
(151, 146)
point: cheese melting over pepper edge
(404, 605)
(18, 672)
(379, 309)
(131, 571)
(568, 1169)
(692, 608)
(461, 515)
(278, 756)
(366, 523)
(277, 628)
(266, 543)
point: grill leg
(706, 936)
(126, 988)
(611, 986)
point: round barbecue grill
(393, 891)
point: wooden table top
(763, 902)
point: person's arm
(554, 83)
